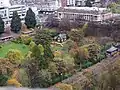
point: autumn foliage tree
(36, 63)
(109, 80)
(80, 55)
(93, 50)
(77, 35)
(6, 69)
(15, 56)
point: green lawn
(5, 48)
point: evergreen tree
(43, 37)
(16, 23)
(1, 26)
(30, 20)
(88, 3)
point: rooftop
(16, 6)
(86, 8)
(90, 10)
(112, 49)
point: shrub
(24, 80)
(26, 39)
(15, 56)
(57, 54)
(62, 86)
(3, 80)
(17, 40)
(31, 45)
(14, 82)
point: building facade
(7, 12)
(84, 13)
(4, 14)
(1, 3)
(80, 2)
(21, 10)
(71, 2)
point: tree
(60, 67)
(38, 78)
(88, 3)
(93, 50)
(38, 54)
(76, 35)
(30, 19)
(1, 26)
(32, 69)
(14, 82)
(113, 7)
(43, 37)
(16, 23)
(51, 21)
(6, 69)
(109, 80)
(80, 55)
(15, 56)
(116, 36)
(64, 25)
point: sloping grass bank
(4, 48)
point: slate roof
(118, 46)
(112, 49)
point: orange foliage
(14, 82)
(57, 53)
(5, 65)
(16, 74)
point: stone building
(84, 13)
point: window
(23, 14)
(60, 14)
(5, 14)
(95, 17)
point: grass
(6, 47)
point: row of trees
(30, 21)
